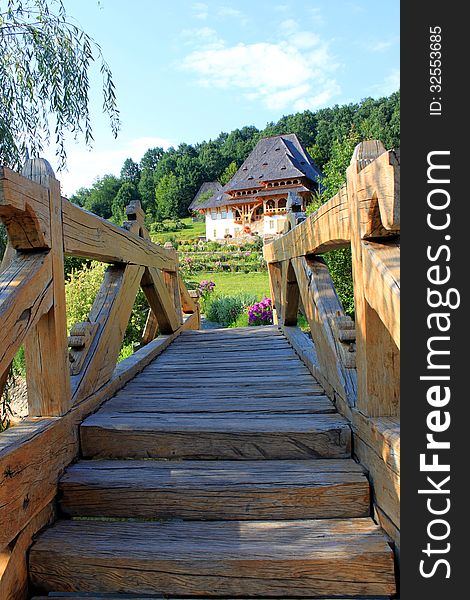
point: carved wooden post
(46, 350)
(373, 212)
(275, 283)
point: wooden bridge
(230, 463)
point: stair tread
(271, 558)
(128, 402)
(236, 422)
(239, 436)
(216, 489)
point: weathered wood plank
(381, 266)
(325, 229)
(46, 350)
(25, 295)
(211, 490)
(160, 300)
(89, 236)
(13, 559)
(111, 312)
(38, 450)
(276, 558)
(321, 304)
(128, 402)
(24, 209)
(243, 436)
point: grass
(191, 231)
(233, 283)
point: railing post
(46, 351)
(377, 356)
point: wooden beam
(377, 355)
(321, 305)
(25, 295)
(24, 209)
(325, 229)
(111, 310)
(46, 350)
(89, 236)
(38, 450)
(381, 267)
(161, 300)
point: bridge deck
(259, 497)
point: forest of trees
(166, 181)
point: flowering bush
(261, 313)
(206, 287)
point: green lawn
(232, 283)
(192, 231)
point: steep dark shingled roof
(208, 186)
(274, 158)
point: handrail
(42, 227)
(358, 362)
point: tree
(44, 77)
(167, 197)
(130, 171)
(228, 173)
(102, 195)
(150, 158)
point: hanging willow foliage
(44, 84)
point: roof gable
(274, 158)
(208, 186)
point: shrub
(261, 313)
(226, 309)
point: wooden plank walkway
(242, 484)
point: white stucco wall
(273, 224)
(217, 228)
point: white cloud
(381, 45)
(390, 84)
(295, 71)
(84, 166)
(200, 10)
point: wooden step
(217, 558)
(232, 436)
(234, 490)
(130, 402)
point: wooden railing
(356, 361)
(64, 385)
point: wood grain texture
(25, 295)
(111, 311)
(211, 490)
(160, 300)
(89, 236)
(242, 437)
(46, 349)
(253, 558)
(13, 558)
(24, 209)
(321, 304)
(325, 229)
(34, 453)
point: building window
(214, 214)
(224, 214)
(215, 233)
(227, 231)
(271, 224)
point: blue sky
(187, 70)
